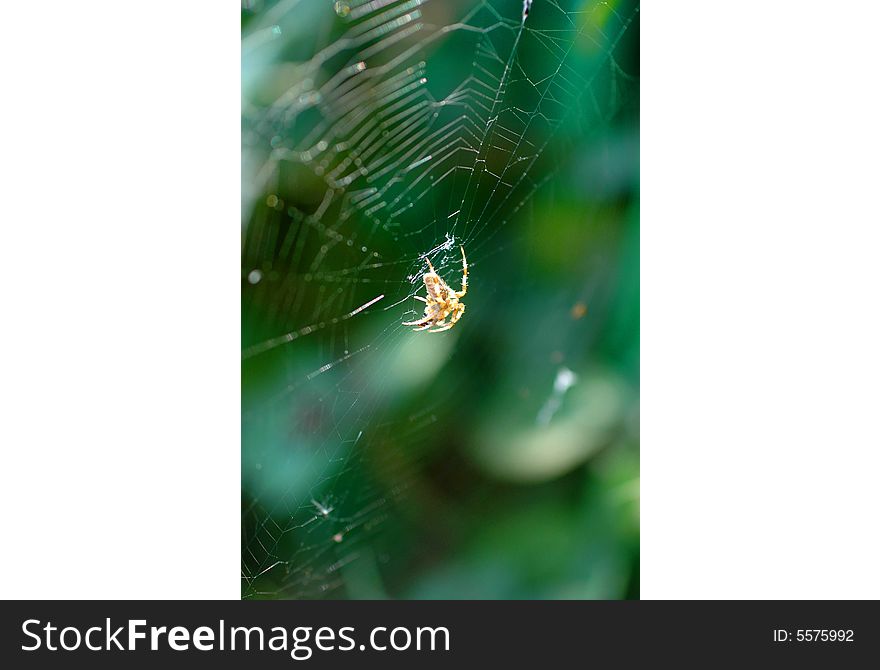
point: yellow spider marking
(442, 302)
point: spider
(442, 302)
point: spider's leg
(440, 325)
(420, 322)
(428, 317)
(464, 276)
(453, 319)
(418, 297)
(432, 321)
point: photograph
(333, 334)
(440, 300)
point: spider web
(377, 134)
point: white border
(120, 393)
(760, 274)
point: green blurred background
(499, 459)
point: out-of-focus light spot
(272, 200)
(579, 311)
(255, 276)
(342, 8)
(565, 379)
(580, 415)
(416, 362)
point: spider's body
(442, 302)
